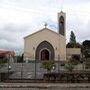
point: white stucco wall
(73, 51)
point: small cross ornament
(45, 25)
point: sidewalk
(45, 85)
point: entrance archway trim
(43, 45)
(42, 50)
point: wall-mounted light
(56, 48)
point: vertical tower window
(61, 25)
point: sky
(19, 18)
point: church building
(47, 44)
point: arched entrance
(44, 51)
(44, 54)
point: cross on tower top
(45, 25)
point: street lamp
(53, 68)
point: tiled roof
(4, 52)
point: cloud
(80, 26)
(15, 28)
(18, 18)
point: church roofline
(41, 31)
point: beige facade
(47, 44)
(56, 40)
(73, 51)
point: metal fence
(31, 70)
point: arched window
(61, 25)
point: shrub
(87, 63)
(48, 65)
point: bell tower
(62, 23)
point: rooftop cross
(45, 25)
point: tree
(86, 43)
(72, 38)
(69, 45)
(72, 42)
(20, 58)
(86, 48)
(3, 61)
(48, 65)
(87, 63)
(75, 60)
(69, 66)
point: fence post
(58, 62)
(8, 69)
(8, 63)
(21, 70)
(35, 69)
